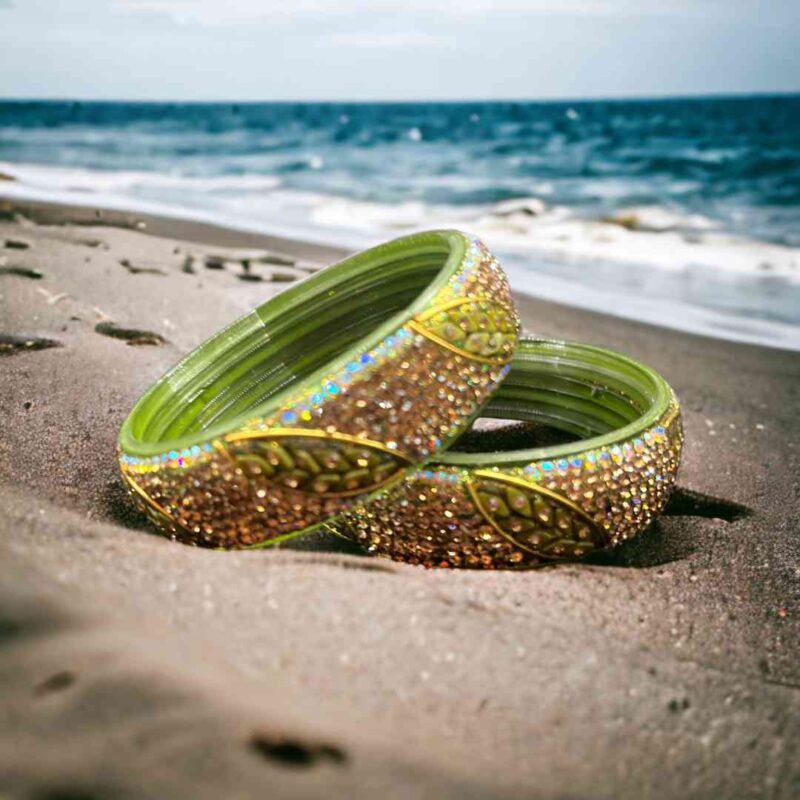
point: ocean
(683, 212)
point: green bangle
(521, 508)
(323, 395)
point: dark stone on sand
(248, 259)
(214, 262)
(131, 336)
(295, 753)
(140, 269)
(90, 242)
(22, 272)
(10, 344)
(274, 258)
(17, 244)
(57, 682)
(277, 276)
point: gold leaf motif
(473, 327)
(316, 462)
(535, 518)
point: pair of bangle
(335, 404)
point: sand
(135, 667)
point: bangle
(524, 507)
(323, 395)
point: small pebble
(214, 262)
(17, 244)
(22, 272)
(282, 277)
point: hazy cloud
(232, 12)
(356, 49)
(390, 41)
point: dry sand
(135, 667)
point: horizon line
(407, 101)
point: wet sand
(135, 667)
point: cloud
(187, 12)
(389, 41)
(6, 4)
(234, 12)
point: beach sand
(136, 667)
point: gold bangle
(325, 394)
(528, 507)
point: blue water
(714, 182)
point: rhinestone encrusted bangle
(523, 508)
(323, 395)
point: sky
(242, 50)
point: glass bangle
(323, 395)
(523, 508)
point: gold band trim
(461, 301)
(221, 450)
(149, 500)
(673, 412)
(313, 433)
(423, 331)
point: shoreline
(555, 278)
(140, 667)
(157, 222)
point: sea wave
(650, 262)
(75, 179)
(648, 236)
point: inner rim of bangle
(254, 364)
(594, 395)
